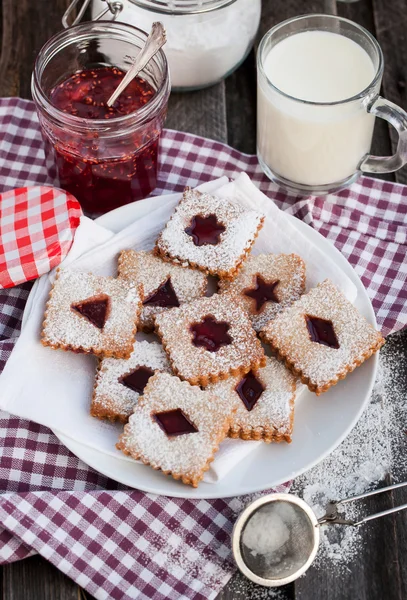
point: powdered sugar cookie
(119, 383)
(322, 337)
(209, 233)
(92, 314)
(264, 401)
(266, 284)
(209, 339)
(165, 285)
(176, 427)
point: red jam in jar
(104, 171)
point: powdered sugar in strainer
(276, 538)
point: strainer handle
(332, 516)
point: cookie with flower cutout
(209, 233)
(266, 284)
(165, 285)
(92, 314)
(120, 382)
(209, 340)
(176, 428)
(264, 400)
(322, 337)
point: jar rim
(64, 39)
(314, 16)
(182, 7)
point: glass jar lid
(182, 7)
(168, 7)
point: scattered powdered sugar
(151, 271)
(242, 226)
(273, 411)
(287, 269)
(318, 363)
(374, 450)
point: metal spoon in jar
(154, 42)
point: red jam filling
(104, 173)
(322, 331)
(95, 310)
(174, 422)
(164, 296)
(262, 293)
(249, 390)
(137, 379)
(211, 334)
(205, 230)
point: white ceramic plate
(321, 423)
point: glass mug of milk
(318, 95)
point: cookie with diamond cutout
(209, 233)
(209, 340)
(176, 428)
(165, 285)
(266, 284)
(120, 382)
(92, 314)
(322, 337)
(264, 400)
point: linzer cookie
(209, 233)
(119, 383)
(322, 337)
(92, 314)
(165, 285)
(264, 401)
(266, 284)
(177, 428)
(209, 339)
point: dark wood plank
(362, 12)
(241, 588)
(391, 24)
(201, 113)
(241, 99)
(36, 578)
(27, 25)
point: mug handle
(397, 117)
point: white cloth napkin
(54, 387)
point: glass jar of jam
(105, 157)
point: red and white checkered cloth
(121, 544)
(37, 227)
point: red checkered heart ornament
(37, 228)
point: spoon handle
(154, 42)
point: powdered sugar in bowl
(206, 39)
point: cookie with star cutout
(266, 284)
(209, 339)
(209, 233)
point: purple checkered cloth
(125, 544)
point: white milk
(308, 144)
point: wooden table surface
(227, 112)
